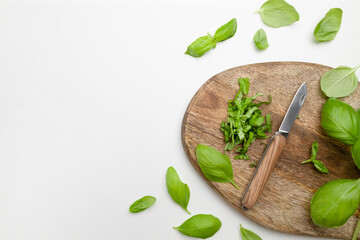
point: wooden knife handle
(264, 170)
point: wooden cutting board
(285, 202)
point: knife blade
(273, 151)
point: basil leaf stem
(357, 230)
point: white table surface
(92, 95)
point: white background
(92, 96)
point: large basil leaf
(226, 31)
(339, 82)
(260, 39)
(329, 26)
(248, 235)
(142, 204)
(178, 190)
(340, 121)
(278, 13)
(215, 165)
(335, 202)
(200, 46)
(355, 152)
(200, 226)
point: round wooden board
(285, 202)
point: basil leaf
(226, 31)
(319, 165)
(340, 121)
(200, 46)
(178, 190)
(278, 13)
(335, 202)
(339, 82)
(314, 149)
(215, 166)
(248, 235)
(355, 152)
(260, 39)
(200, 226)
(329, 26)
(142, 204)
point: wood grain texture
(264, 171)
(284, 204)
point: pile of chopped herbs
(245, 122)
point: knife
(273, 151)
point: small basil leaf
(200, 226)
(215, 165)
(339, 82)
(200, 46)
(329, 26)
(178, 190)
(260, 39)
(278, 13)
(355, 152)
(314, 149)
(340, 121)
(319, 165)
(335, 202)
(248, 235)
(226, 31)
(142, 204)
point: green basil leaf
(244, 85)
(142, 204)
(314, 149)
(340, 121)
(329, 26)
(248, 235)
(260, 39)
(215, 166)
(339, 82)
(335, 202)
(178, 190)
(200, 46)
(200, 226)
(226, 31)
(278, 13)
(355, 152)
(319, 165)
